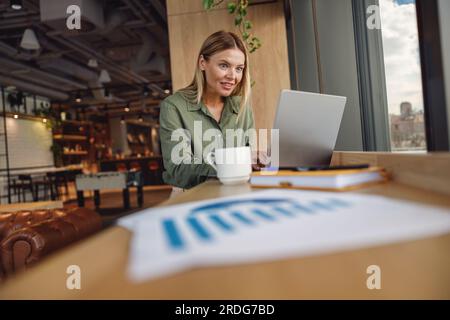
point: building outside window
(403, 75)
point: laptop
(308, 126)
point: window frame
(433, 83)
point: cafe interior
(81, 101)
(80, 144)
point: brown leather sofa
(27, 236)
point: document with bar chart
(270, 225)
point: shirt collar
(194, 107)
(234, 105)
(228, 100)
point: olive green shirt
(190, 145)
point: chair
(23, 184)
(46, 185)
(12, 188)
(121, 167)
(62, 180)
(135, 166)
(153, 165)
(155, 171)
(55, 180)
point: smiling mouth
(227, 85)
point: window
(403, 75)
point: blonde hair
(217, 42)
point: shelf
(75, 153)
(76, 122)
(142, 123)
(69, 137)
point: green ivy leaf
(237, 20)
(243, 12)
(207, 4)
(245, 35)
(248, 25)
(231, 6)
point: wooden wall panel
(269, 65)
(428, 171)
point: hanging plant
(47, 112)
(15, 100)
(239, 9)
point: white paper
(269, 225)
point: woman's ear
(201, 63)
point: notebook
(334, 180)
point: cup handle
(210, 160)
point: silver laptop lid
(309, 124)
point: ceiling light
(44, 120)
(127, 108)
(16, 4)
(167, 91)
(16, 116)
(29, 40)
(122, 119)
(78, 98)
(140, 118)
(146, 91)
(93, 63)
(104, 76)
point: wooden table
(410, 270)
(110, 180)
(150, 167)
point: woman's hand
(260, 159)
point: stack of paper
(268, 225)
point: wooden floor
(111, 202)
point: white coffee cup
(233, 165)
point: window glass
(403, 74)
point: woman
(218, 98)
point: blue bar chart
(231, 216)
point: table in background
(67, 173)
(110, 180)
(151, 168)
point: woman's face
(223, 71)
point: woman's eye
(223, 66)
(239, 69)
